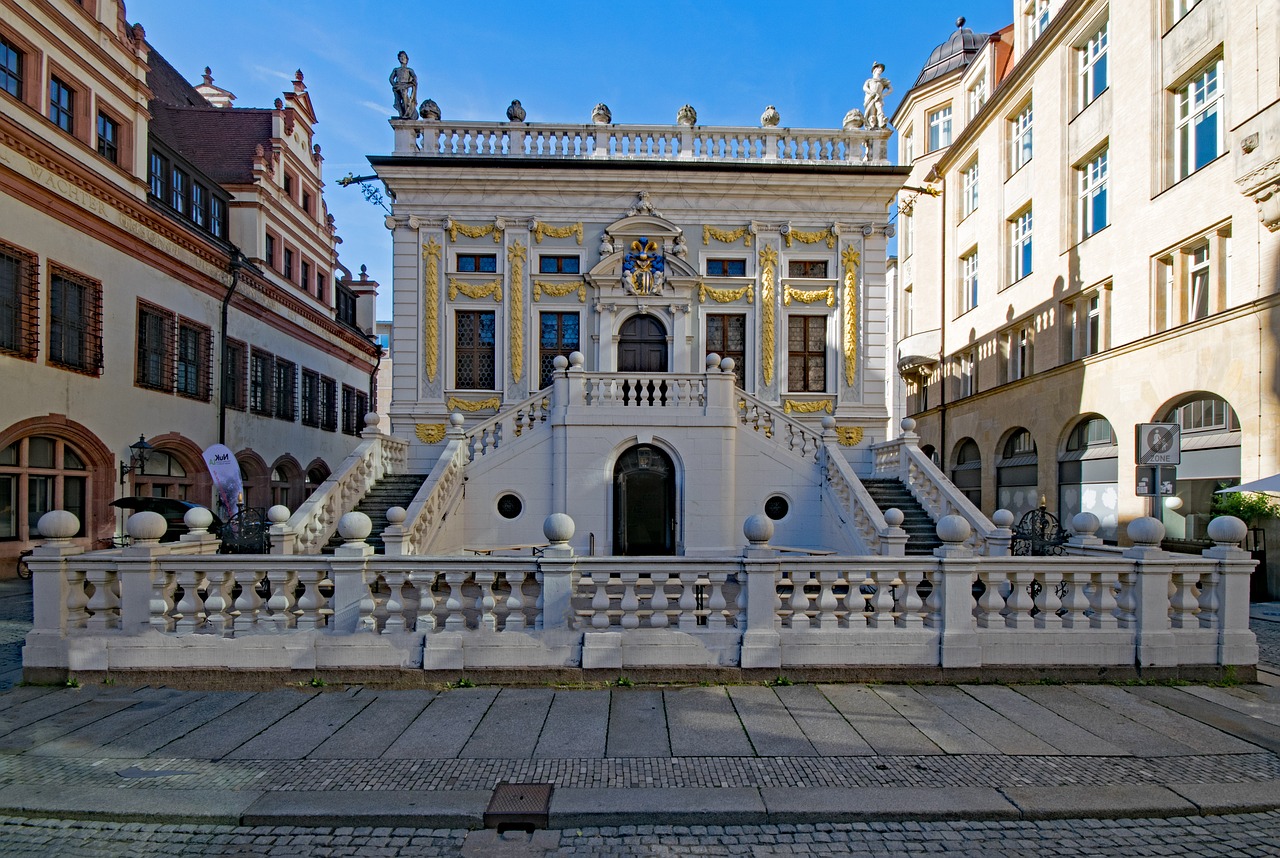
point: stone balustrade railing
(514, 421)
(412, 531)
(316, 520)
(879, 531)
(902, 459)
(149, 607)
(770, 422)
(432, 138)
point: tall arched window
(1088, 469)
(1017, 483)
(38, 474)
(966, 473)
(163, 476)
(1210, 460)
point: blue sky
(729, 60)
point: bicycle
(24, 571)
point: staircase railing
(866, 520)
(902, 459)
(439, 497)
(768, 421)
(512, 422)
(317, 519)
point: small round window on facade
(776, 507)
(509, 506)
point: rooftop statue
(601, 115)
(516, 113)
(687, 115)
(404, 86)
(770, 118)
(429, 110)
(874, 91)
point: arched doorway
(642, 345)
(644, 503)
(1017, 480)
(1210, 461)
(966, 473)
(1088, 471)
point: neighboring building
(134, 214)
(1103, 253)
(664, 246)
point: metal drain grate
(519, 807)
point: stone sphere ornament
(558, 528)
(1227, 530)
(953, 528)
(354, 526)
(58, 524)
(146, 526)
(758, 529)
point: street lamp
(138, 453)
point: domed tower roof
(955, 53)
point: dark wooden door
(642, 346)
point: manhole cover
(525, 807)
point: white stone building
(1103, 253)
(167, 270)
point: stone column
(761, 643)
(348, 568)
(958, 642)
(555, 571)
(1156, 646)
(1236, 644)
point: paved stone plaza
(739, 770)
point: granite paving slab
(772, 730)
(1229, 720)
(637, 724)
(1201, 738)
(144, 711)
(1239, 700)
(861, 804)
(1133, 737)
(200, 709)
(883, 728)
(1065, 735)
(702, 722)
(372, 730)
(23, 694)
(301, 731)
(1002, 734)
(42, 707)
(511, 727)
(234, 727)
(575, 808)
(946, 732)
(823, 726)
(1231, 798)
(577, 726)
(206, 806)
(390, 808)
(1098, 802)
(61, 723)
(442, 729)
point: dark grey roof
(955, 53)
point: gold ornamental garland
(429, 433)
(723, 296)
(725, 236)
(790, 405)
(476, 290)
(849, 436)
(811, 237)
(559, 290)
(851, 259)
(542, 230)
(515, 264)
(474, 231)
(456, 404)
(768, 259)
(808, 297)
(430, 319)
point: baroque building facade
(167, 270)
(1088, 243)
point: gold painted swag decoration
(515, 264)
(811, 407)
(474, 231)
(431, 293)
(455, 404)
(827, 235)
(429, 433)
(545, 230)
(476, 290)
(559, 290)
(809, 296)
(725, 236)
(723, 296)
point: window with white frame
(1192, 281)
(977, 96)
(1093, 195)
(969, 281)
(1085, 330)
(969, 189)
(1093, 67)
(1198, 268)
(908, 312)
(1197, 138)
(1020, 243)
(908, 147)
(1021, 133)
(940, 128)
(1178, 9)
(1021, 345)
(965, 376)
(1093, 324)
(906, 238)
(1036, 15)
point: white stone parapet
(435, 139)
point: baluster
(248, 604)
(515, 601)
(909, 604)
(215, 603)
(933, 606)
(278, 602)
(688, 600)
(990, 603)
(1103, 601)
(1184, 600)
(540, 604)
(716, 603)
(741, 617)
(630, 601)
(424, 582)
(799, 599)
(103, 605)
(1019, 604)
(163, 586)
(658, 600)
(827, 603)
(1209, 600)
(600, 600)
(485, 602)
(308, 607)
(1048, 601)
(1127, 601)
(1076, 602)
(454, 621)
(395, 602)
(191, 606)
(882, 601)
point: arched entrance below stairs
(644, 503)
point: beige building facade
(1101, 253)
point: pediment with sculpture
(643, 254)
